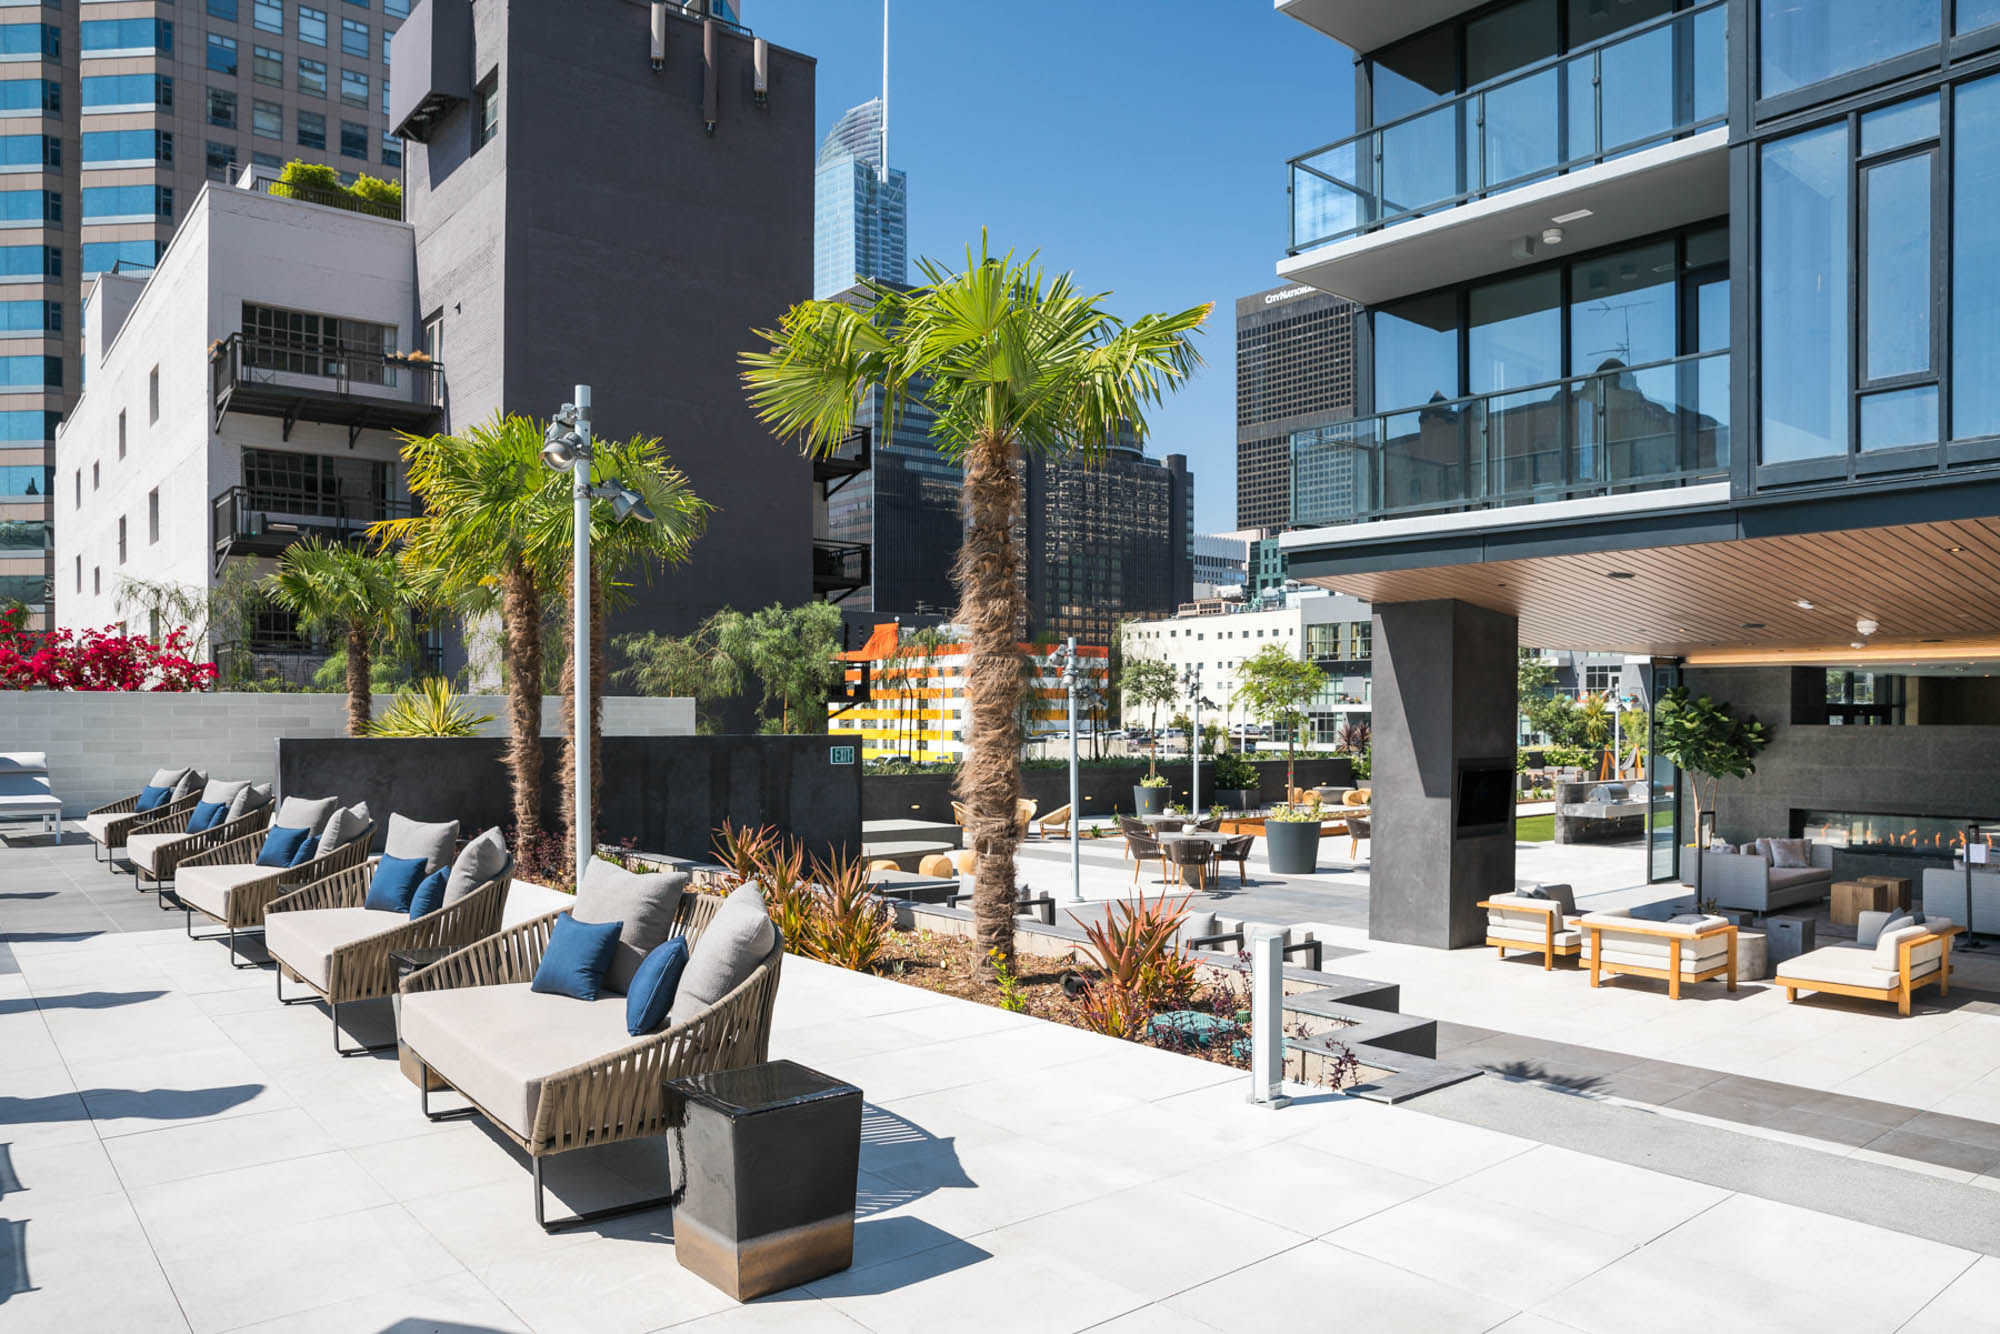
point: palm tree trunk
(358, 701)
(992, 607)
(521, 624)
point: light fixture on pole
(567, 448)
(1066, 656)
(1191, 678)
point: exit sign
(840, 754)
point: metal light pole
(1069, 683)
(1191, 678)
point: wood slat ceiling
(1725, 597)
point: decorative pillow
(652, 991)
(1751, 850)
(167, 778)
(578, 953)
(1869, 924)
(430, 893)
(307, 813)
(1688, 919)
(222, 791)
(477, 862)
(646, 904)
(191, 782)
(1886, 950)
(253, 797)
(152, 797)
(1791, 853)
(1530, 892)
(344, 826)
(281, 845)
(1762, 847)
(736, 941)
(432, 842)
(307, 851)
(207, 815)
(394, 883)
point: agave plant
(1139, 968)
(855, 927)
(794, 904)
(433, 708)
(743, 850)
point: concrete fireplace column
(1445, 740)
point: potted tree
(1148, 683)
(1291, 839)
(1705, 739)
(1277, 688)
(1236, 781)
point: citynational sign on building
(1287, 294)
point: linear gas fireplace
(1927, 837)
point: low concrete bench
(25, 792)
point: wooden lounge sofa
(1534, 925)
(552, 1073)
(1894, 968)
(1673, 952)
(225, 884)
(107, 825)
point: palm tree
(1010, 360)
(475, 544)
(362, 597)
(618, 548)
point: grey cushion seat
(497, 1044)
(207, 888)
(139, 848)
(99, 826)
(1798, 877)
(306, 940)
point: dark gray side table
(1788, 937)
(772, 1162)
(405, 962)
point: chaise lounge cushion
(99, 826)
(728, 951)
(1850, 966)
(253, 797)
(1644, 949)
(432, 842)
(644, 903)
(207, 888)
(139, 848)
(305, 940)
(497, 1044)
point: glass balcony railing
(1641, 87)
(1620, 429)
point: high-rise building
(905, 509)
(1219, 561)
(1105, 541)
(861, 219)
(117, 115)
(1294, 372)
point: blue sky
(1139, 143)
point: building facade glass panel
(1975, 278)
(1896, 200)
(102, 256)
(1804, 41)
(1803, 295)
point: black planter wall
(1106, 788)
(666, 794)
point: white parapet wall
(103, 745)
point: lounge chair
(156, 849)
(1894, 968)
(227, 885)
(1055, 822)
(25, 793)
(1534, 925)
(107, 825)
(324, 936)
(1691, 949)
(552, 1073)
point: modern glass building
(1106, 541)
(1678, 340)
(1294, 374)
(861, 218)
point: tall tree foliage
(1706, 739)
(790, 652)
(1149, 684)
(1277, 688)
(362, 600)
(1011, 360)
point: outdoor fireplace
(1929, 837)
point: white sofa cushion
(1847, 965)
(1888, 947)
(1796, 877)
(306, 940)
(99, 826)
(1531, 935)
(497, 1044)
(1653, 947)
(208, 887)
(432, 842)
(139, 848)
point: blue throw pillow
(307, 850)
(654, 983)
(394, 884)
(207, 814)
(578, 954)
(430, 893)
(152, 797)
(281, 845)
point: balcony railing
(839, 568)
(263, 521)
(849, 458)
(1639, 428)
(305, 379)
(1649, 84)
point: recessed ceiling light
(1753, 625)
(1955, 550)
(1857, 644)
(1575, 215)
(1803, 605)
(1621, 574)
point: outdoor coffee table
(1898, 887)
(1851, 898)
(405, 962)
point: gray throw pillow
(736, 941)
(1763, 849)
(1530, 892)
(432, 842)
(168, 778)
(1791, 853)
(343, 827)
(478, 861)
(192, 781)
(307, 813)
(643, 905)
(253, 797)
(223, 792)
(1868, 926)
(1688, 919)
(1896, 923)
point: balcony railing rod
(1566, 382)
(1521, 75)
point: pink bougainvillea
(97, 660)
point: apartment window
(392, 150)
(104, 256)
(354, 38)
(312, 130)
(30, 151)
(132, 147)
(31, 39)
(107, 91)
(1803, 44)
(489, 107)
(222, 108)
(121, 435)
(386, 35)
(121, 539)
(221, 54)
(153, 515)
(79, 492)
(396, 9)
(105, 36)
(27, 317)
(221, 161)
(28, 207)
(268, 15)
(138, 203)
(30, 372)
(27, 96)
(353, 88)
(304, 343)
(353, 140)
(267, 66)
(153, 396)
(222, 9)
(271, 160)
(312, 26)
(312, 77)
(267, 120)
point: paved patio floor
(177, 1152)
